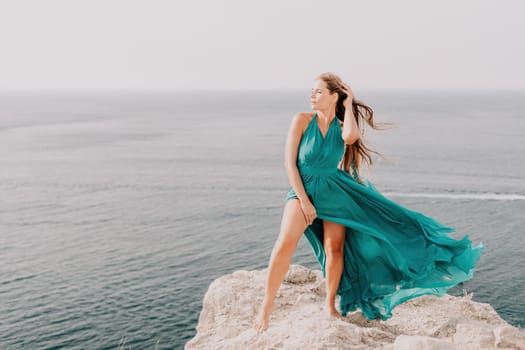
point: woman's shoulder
(303, 117)
(301, 120)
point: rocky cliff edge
(299, 321)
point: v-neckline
(319, 129)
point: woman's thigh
(293, 222)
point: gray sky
(132, 44)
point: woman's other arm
(295, 132)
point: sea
(119, 208)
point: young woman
(374, 253)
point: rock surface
(299, 320)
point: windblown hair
(356, 153)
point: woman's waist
(317, 170)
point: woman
(374, 253)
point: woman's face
(320, 98)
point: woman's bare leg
(292, 227)
(334, 239)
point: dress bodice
(318, 152)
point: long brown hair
(355, 153)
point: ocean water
(117, 210)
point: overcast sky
(242, 44)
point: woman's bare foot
(332, 312)
(263, 317)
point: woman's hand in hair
(350, 96)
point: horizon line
(248, 90)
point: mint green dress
(391, 253)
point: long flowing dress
(391, 253)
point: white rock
(474, 335)
(509, 337)
(299, 321)
(418, 342)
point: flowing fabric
(391, 253)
